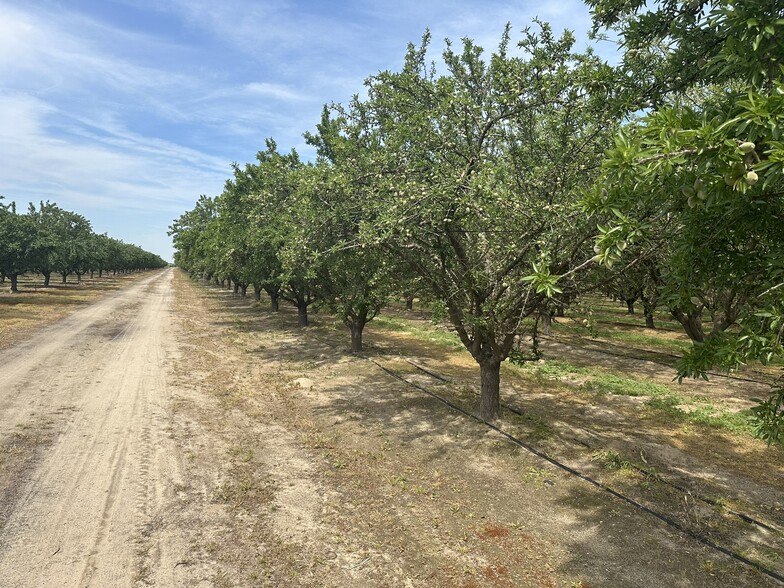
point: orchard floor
(334, 473)
(276, 458)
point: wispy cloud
(96, 165)
(139, 106)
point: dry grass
(406, 481)
(34, 306)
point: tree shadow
(608, 541)
(614, 543)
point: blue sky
(126, 111)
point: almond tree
(335, 201)
(272, 203)
(19, 238)
(191, 235)
(73, 234)
(705, 170)
(491, 158)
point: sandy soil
(173, 435)
(85, 459)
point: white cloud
(277, 91)
(95, 173)
(101, 115)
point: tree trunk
(14, 283)
(78, 277)
(648, 308)
(727, 311)
(47, 277)
(243, 290)
(547, 323)
(409, 302)
(356, 338)
(236, 288)
(100, 273)
(357, 325)
(256, 293)
(490, 402)
(302, 313)
(630, 305)
(691, 322)
(274, 301)
(65, 277)
(92, 274)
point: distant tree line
(503, 188)
(49, 240)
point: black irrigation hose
(668, 521)
(659, 353)
(514, 440)
(747, 518)
(669, 483)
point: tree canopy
(49, 239)
(497, 183)
(701, 169)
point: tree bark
(727, 312)
(357, 324)
(256, 293)
(236, 288)
(14, 283)
(630, 305)
(356, 338)
(649, 320)
(547, 323)
(47, 277)
(244, 290)
(274, 294)
(65, 277)
(691, 322)
(409, 302)
(302, 313)
(490, 401)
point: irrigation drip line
(540, 454)
(668, 521)
(705, 499)
(659, 353)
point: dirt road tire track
(94, 385)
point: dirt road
(85, 460)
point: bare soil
(175, 435)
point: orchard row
(504, 187)
(49, 240)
